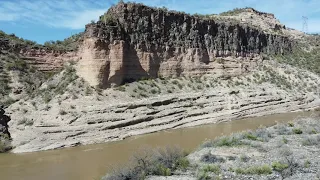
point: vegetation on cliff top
(69, 44)
(16, 41)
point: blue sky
(44, 20)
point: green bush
(154, 91)
(212, 168)
(259, 170)
(277, 166)
(291, 124)
(152, 162)
(182, 163)
(226, 141)
(297, 131)
(250, 136)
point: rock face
(5, 136)
(132, 41)
(4, 119)
(47, 60)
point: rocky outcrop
(4, 45)
(4, 127)
(5, 135)
(132, 41)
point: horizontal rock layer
(99, 122)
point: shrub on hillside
(151, 162)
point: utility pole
(305, 24)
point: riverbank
(284, 151)
(81, 116)
(94, 161)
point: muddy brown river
(93, 161)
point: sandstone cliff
(132, 41)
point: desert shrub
(297, 131)
(182, 163)
(226, 141)
(280, 168)
(259, 170)
(290, 160)
(62, 112)
(307, 164)
(244, 158)
(203, 172)
(232, 140)
(291, 124)
(233, 12)
(311, 140)
(154, 91)
(285, 140)
(262, 134)
(202, 175)
(211, 158)
(151, 162)
(141, 88)
(250, 136)
(47, 97)
(282, 129)
(88, 91)
(175, 82)
(212, 168)
(69, 44)
(199, 86)
(121, 88)
(277, 166)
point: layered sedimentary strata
(47, 60)
(132, 41)
(41, 57)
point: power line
(305, 24)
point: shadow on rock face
(5, 136)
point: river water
(91, 162)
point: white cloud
(7, 17)
(71, 14)
(77, 21)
